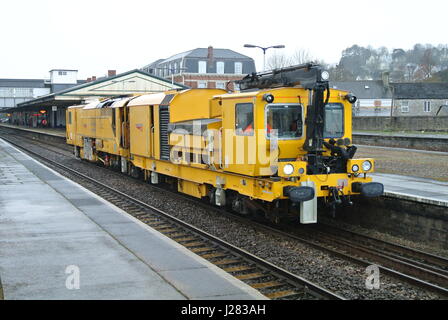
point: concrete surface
(413, 188)
(51, 228)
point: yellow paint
(194, 104)
(133, 132)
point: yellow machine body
(192, 139)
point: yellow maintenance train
(281, 147)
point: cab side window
(244, 119)
(334, 120)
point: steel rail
(413, 267)
(307, 286)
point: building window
(238, 68)
(175, 67)
(236, 87)
(220, 67)
(202, 67)
(62, 73)
(244, 119)
(220, 85)
(405, 106)
(427, 106)
(202, 84)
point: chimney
(93, 78)
(89, 79)
(385, 78)
(210, 54)
(111, 73)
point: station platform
(414, 189)
(59, 132)
(60, 241)
(440, 135)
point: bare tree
(278, 60)
(427, 63)
(301, 56)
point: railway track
(407, 266)
(400, 262)
(435, 265)
(272, 281)
(427, 271)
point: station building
(48, 110)
(203, 68)
(16, 91)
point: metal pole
(264, 59)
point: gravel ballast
(335, 274)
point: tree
(301, 56)
(398, 65)
(338, 73)
(421, 63)
(441, 76)
(428, 63)
(416, 64)
(354, 60)
(279, 60)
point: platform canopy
(131, 82)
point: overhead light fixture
(269, 98)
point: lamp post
(264, 51)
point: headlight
(366, 166)
(325, 75)
(288, 169)
(355, 168)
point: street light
(280, 46)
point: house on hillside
(420, 99)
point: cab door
(239, 151)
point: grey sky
(95, 35)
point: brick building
(204, 68)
